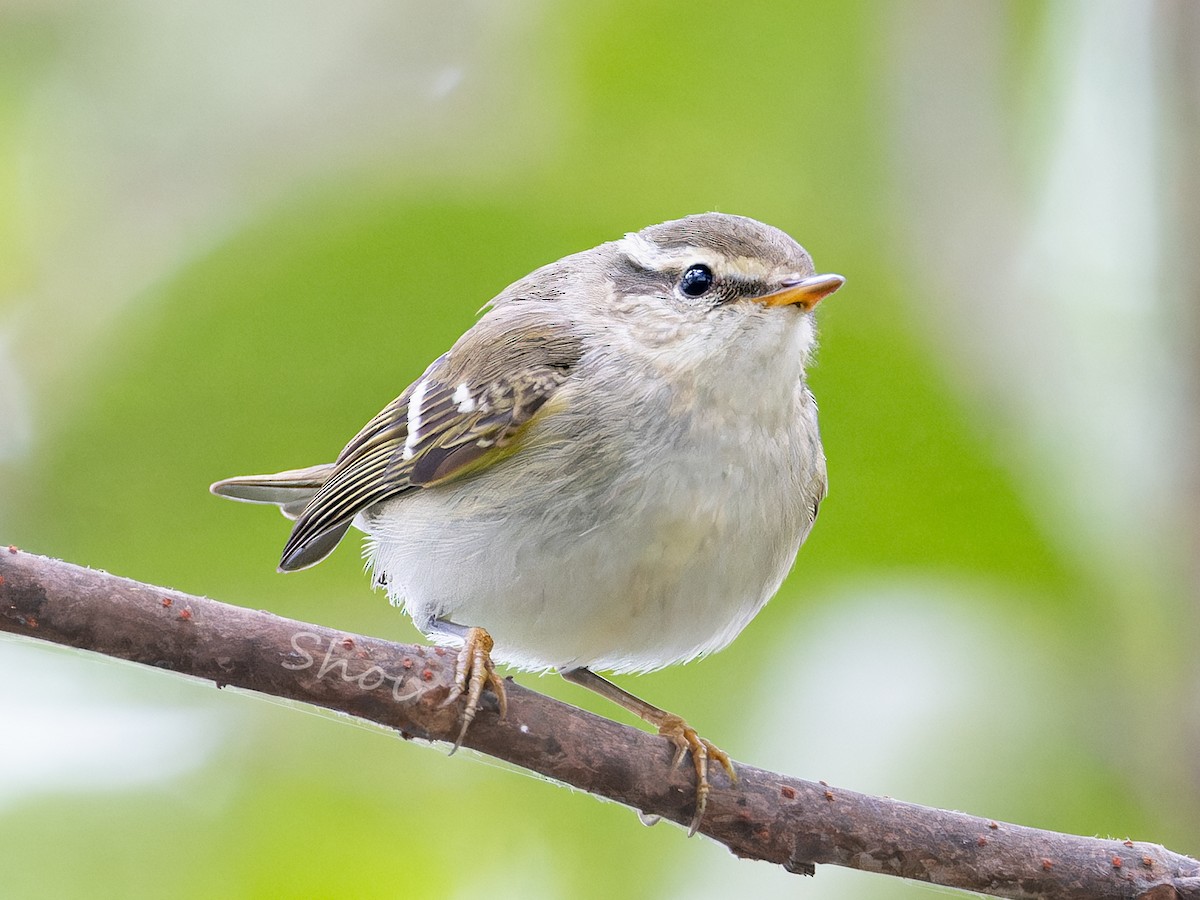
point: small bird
(612, 470)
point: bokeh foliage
(275, 333)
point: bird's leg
(670, 726)
(473, 672)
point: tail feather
(290, 490)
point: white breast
(627, 541)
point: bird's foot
(670, 726)
(686, 740)
(473, 672)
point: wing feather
(464, 417)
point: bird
(612, 470)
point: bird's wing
(466, 412)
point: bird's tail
(290, 490)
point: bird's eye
(696, 281)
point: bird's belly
(674, 567)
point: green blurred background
(230, 232)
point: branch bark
(767, 816)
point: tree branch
(767, 816)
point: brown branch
(764, 816)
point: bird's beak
(805, 292)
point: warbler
(612, 470)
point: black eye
(696, 281)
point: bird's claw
(686, 740)
(473, 672)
